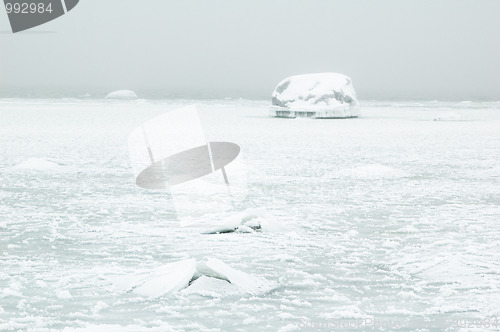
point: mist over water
(446, 50)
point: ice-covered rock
(323, 95)
(122, 95)
(211, 277)
(248, 221)
(227, 225)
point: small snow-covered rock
(323, 95)
(248, 221)
(122, 95)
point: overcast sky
(446, 49)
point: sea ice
(373, 171)
(323, 95)
(75, 233)
(450, 116)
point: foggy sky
(447, 49)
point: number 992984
(28, 8)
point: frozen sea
(393, 216)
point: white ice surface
(423, 246)
(165, 135)
(372, 171)
(40, 164)
(450, 116)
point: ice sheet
(422, 246)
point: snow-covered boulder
(323, 95)
(210, 277)
(122, 95)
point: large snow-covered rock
(210, 277)
(323, 95)
(122, 95)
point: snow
(227, 225)
(324, 94)
(167, 279)
(207, 286)
(119, 328)
(394, 215)
(122, 95)
(449, 116)
(373, 171)
(245, 282)
(40, 164)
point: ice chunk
(167, 279)
(273, 226)
(193, 278)
(323, 95)
(244, 282)
(122, 94)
